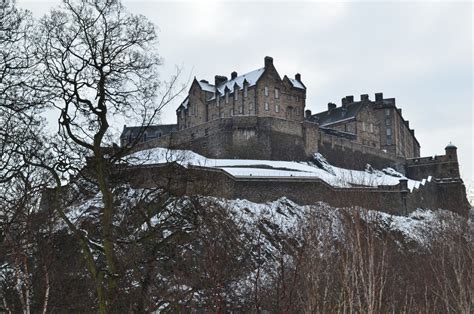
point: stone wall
(346, 153)
(444, 166)
(396, 199)
(244, 137)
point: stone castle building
(260, 115)
(260, 110)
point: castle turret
(451, 152)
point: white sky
(418, 52)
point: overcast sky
(418, 52)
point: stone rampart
(194, 180)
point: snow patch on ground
(247, 168)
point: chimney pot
(233, 75)
(331, 106)
(298, 77)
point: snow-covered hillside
(470, 192)
(335, 176)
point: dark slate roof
(338, 114)
(152, 131)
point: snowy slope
(335, 176)
(470, 192)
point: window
(389, 132)
(277, 93)
(388, 122)
(231, 112)
(387, 112)
(277, 108)
(236, 93)
(251, 106)
(389, 140)
(227, 97)
(245, 90)
(144, 137)
(241, 109)
(371, 128)
(363, 126)
(218, 100)
(266, 106)
(266, 90)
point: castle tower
(452, 156)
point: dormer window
(266, 90)
(277, 93)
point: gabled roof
(337, 115)
(207, 87)
(251, 78)
(151, 131)
(296, 83)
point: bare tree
(98, 62)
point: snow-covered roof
(207, 87)
(185, 103)
(251, 78)
(296, 83)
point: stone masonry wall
(304, 191)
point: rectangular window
(266, 90)
(389, 140)
(389, 132)
(277, 108)
(371, 128)
(363, 126)
(231, 112)
(388, 122)
(277, 93)
(218, 100)
(241, 109)
(266, 106)
(226, 97)
(245, 91)
(387, 112)
(236, 94)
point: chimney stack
(268, 62)
(344, 102)
(233, 75)
(364, 97)
(378, 97)
(219, 79)
(350, 99)
(308, 114)
(298, 77)
(331, 106)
